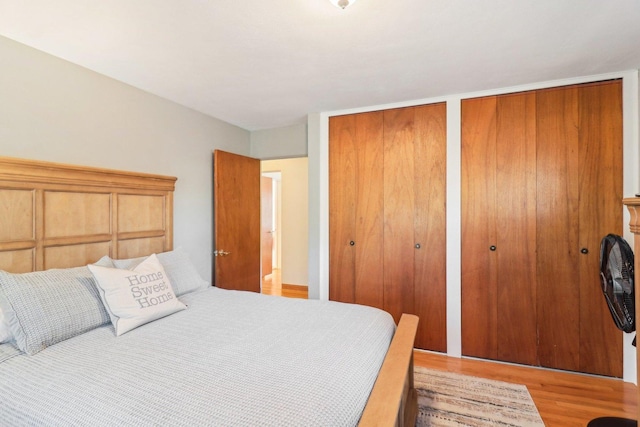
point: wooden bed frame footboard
(393, 400)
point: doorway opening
(284, 227)
(270, 215)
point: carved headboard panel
(56, 216)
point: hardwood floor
(562, 398)
(272, 285)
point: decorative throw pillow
(182, 273)
(135, 297)
(43, 308)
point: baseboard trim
(301, 288)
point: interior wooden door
(236, 183)
(266, 224)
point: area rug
(449, 399)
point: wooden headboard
(56, 216)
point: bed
(216, 357)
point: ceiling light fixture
(342, 3)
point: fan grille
(616, 273)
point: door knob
(492, 248)
(351, 243)
(221, 252)
(584, 251)
(417, 245)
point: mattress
(231, 358)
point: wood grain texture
(516, 228)
(541, 170)
(58, 216)
(387, 190)
(17, 210)
(369, 208)
(429, 224)
(236, 183)
(140, 213)
(399, 207)
(479, 264)
(133, 248)
(600, 213)
(17, 261)
(393, 401)
(342, 205)
(558, 231)
(76, 213)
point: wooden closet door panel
(479, 265)
(342, 196)
(430, 226)
(399, 206)
(516, 230)
(558, 292)
(369, 210)
(600, 214)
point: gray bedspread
(231, 359)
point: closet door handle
(584, 251)
(351, 243)
(417, 245)
(492, 248)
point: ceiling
(263, 64)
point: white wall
(53, 110)
(279, 143)
(294, 198)
(318, 136)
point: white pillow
(135, 297)
(182, 273)
(5, 332)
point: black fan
(616, 276)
